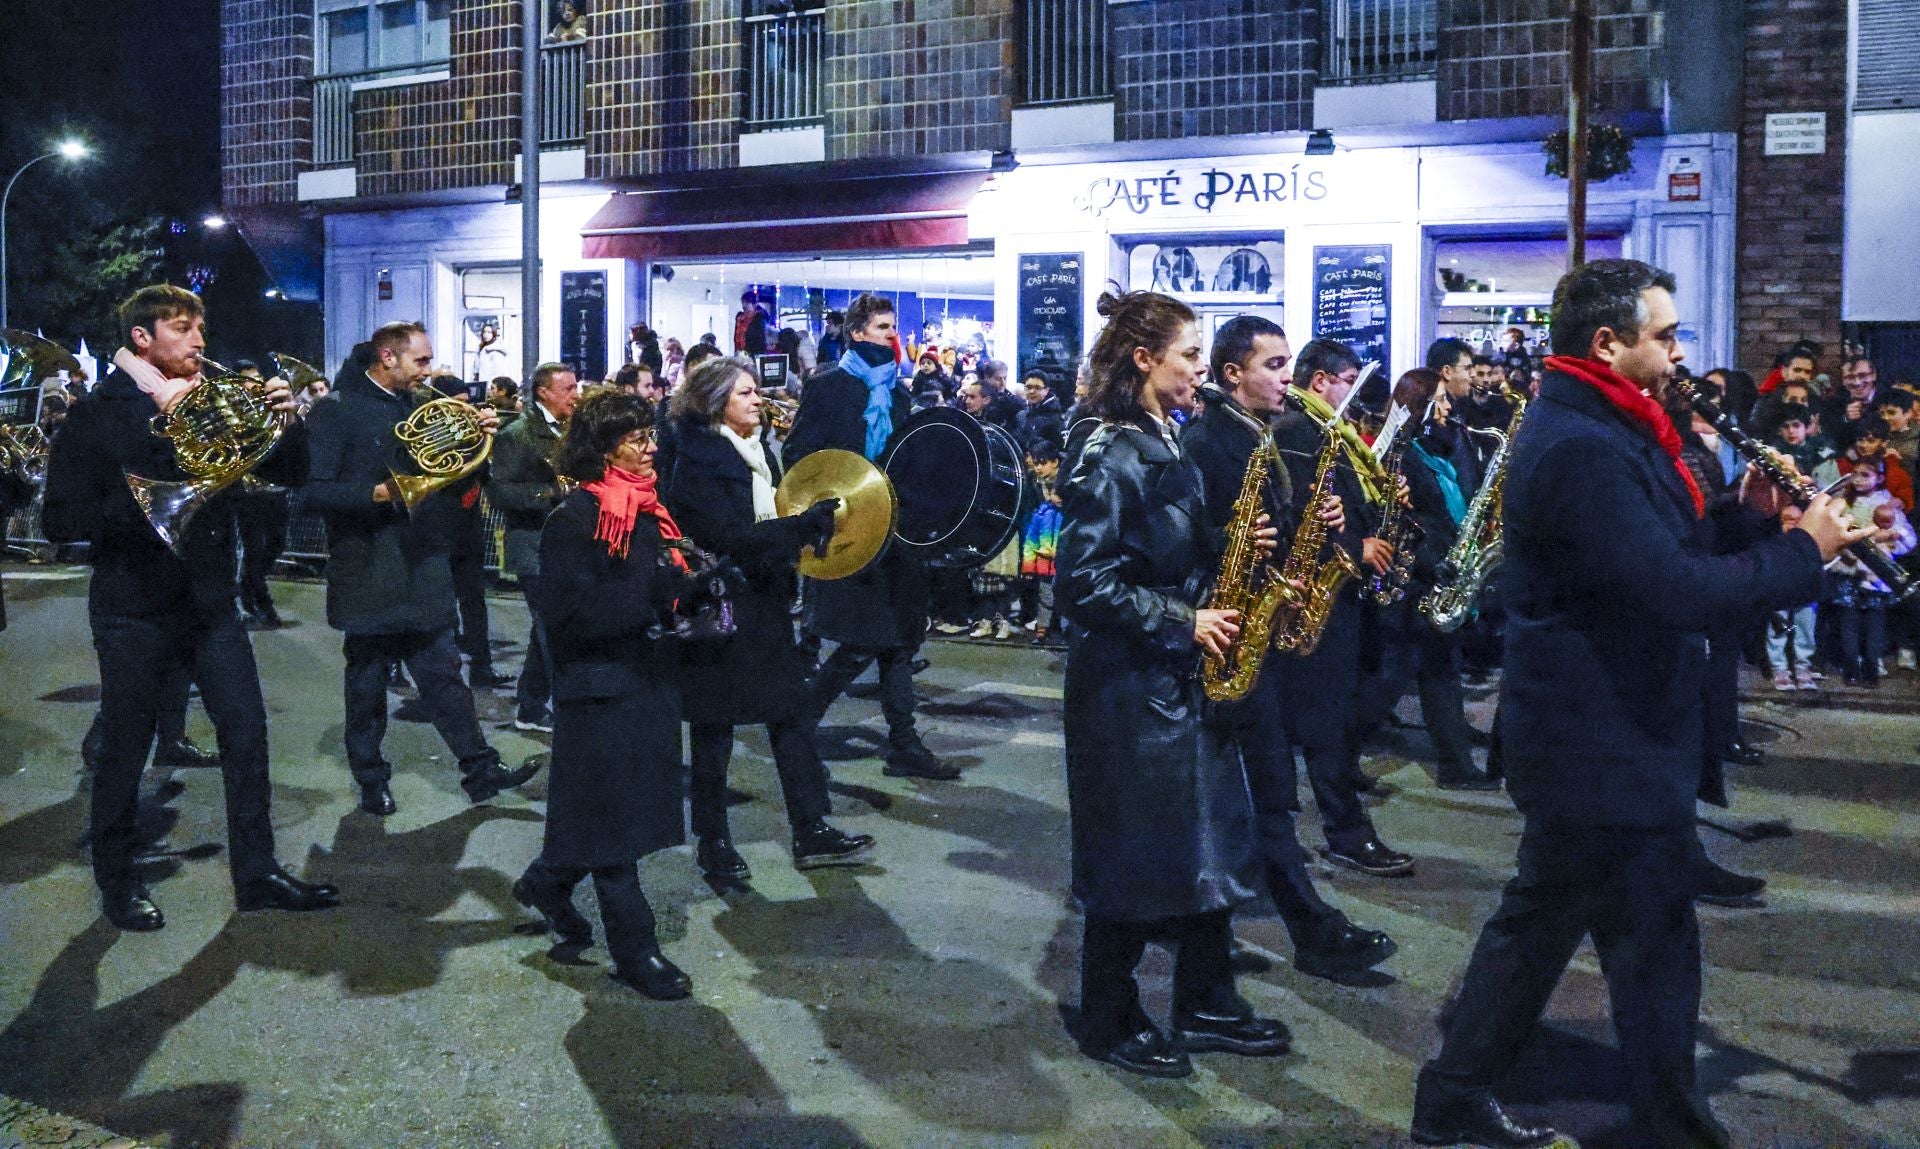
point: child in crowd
(1898, 411)
(1870, 443)
(1796, 440)
(1038, 537)
(1790, 635)
(1861, 598)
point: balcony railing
(785, 54)
(563, 88)
(332, 120)
(1378, 41)
(1064, 52)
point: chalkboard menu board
(1351, 290)
(1049, 319)
(583, 323)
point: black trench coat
(615, 792)
(758, 675)
(1162, 817)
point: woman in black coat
(721, 491)
(607, 590)
(1163, 832)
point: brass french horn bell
(446, 441)
(862, 524)
(220, 430)
(298, 373)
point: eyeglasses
(639, 438)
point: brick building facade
(1788, 272)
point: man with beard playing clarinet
(1248, 388)
(1612, 585)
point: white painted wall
(1882, 248)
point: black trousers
(470, 593)
(170, 713)
(1275, 785)
(435, 665)
(1631, 890)
(262, 518)
(847, 663)
(1111, 948)
(533, 693)
(803, 777)
(137, 653)
(624, 909)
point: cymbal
(861, 525)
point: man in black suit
(526, 489)
(880, 614)
(1612, 587)
(389, 574)
(155, 610)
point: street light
(214, 222)
(72, 151)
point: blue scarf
(1448, 477)
(880, 381)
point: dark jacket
(524, 487)
(885, 605)
(759, 675)
(388, 572)
(1043, 421)
(107, 436)
(1004, 410)
(1611, 585)
(615, 788)
(1221, 445)
(1161, 814)
(15, 492)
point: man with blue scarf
(880, 614)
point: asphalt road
(913, 1001)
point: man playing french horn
(155, 607)
(389, 571)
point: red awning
(881, 213)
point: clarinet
(1799, 489)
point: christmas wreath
(1609, 152)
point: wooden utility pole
(1579, 72)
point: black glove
(816, 523)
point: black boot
(1335, 949)
(1446, 1115)
(1147, 1052)
(130, 907)
(717, 859)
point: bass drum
(959, 483)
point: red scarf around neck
(624, 496)
(1636, 405)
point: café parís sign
(1203, 190)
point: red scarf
(1636, 405)
(624, 496)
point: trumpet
(220, 430)
(445, 439)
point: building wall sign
(1352, 294)
(1201, 190)
(1796, 133)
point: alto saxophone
(1306, 617)
(1246, 583)
(1477, 552)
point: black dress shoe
(376, 798)
(1340, 949)
(183, 755)
(823, 845)
(555, 907)
(1469, 779)
(486, 678)
(482, 785)
(1447, 1117)
(1149, 1052)
(1741, 754)
(280, 890)
(717, 859)
(130, 908)
(1245, 1035)
(918, 665)
(1371, 857)
(652, 974)
(1716, 885)
(917, 761)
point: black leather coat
(1162, 816)
(758, 675)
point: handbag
(706, 616)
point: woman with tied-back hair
(1163, 833)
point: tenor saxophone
(1246, 583)
(1477, 552)
(1305, 619)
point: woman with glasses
(609, 582)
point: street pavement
(913, 1001)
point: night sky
(140, 81)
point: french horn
(25, 360)
(445, 440)
(221, 430)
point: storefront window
(1488, 284)
(489, 322)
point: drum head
(936, 465)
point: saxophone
(1399, 531)
(1245, 582)
(1306, 618)
(1476, 554)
